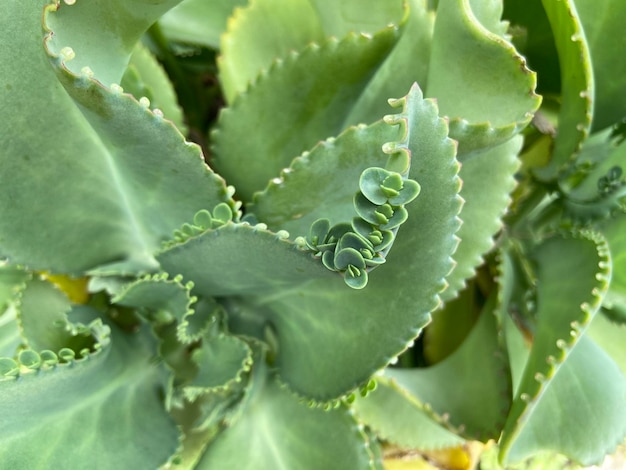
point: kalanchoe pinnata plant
(370, 244)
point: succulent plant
(385, 236)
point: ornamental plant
(294, 233)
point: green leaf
(398, 417)
(601, 21)
(577, 85)
(476, 371)
(478, 78)
(244, 260)
(275, 121)
(488, 179)
(327, 317)
(322, 183)
(572, 277)
(48, 320)
(108, 151)
(279, 432)
(50, 422)
(267, 30)
(198, 21)
(581, 414)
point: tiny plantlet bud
(144, 102)
(67, 54)
(86, 72)
(69, 2)
(115, 88)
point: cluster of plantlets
(323, 274)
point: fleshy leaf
(274, 122)
(478, 78)
(243, 260)
(572, 277)
(277, 431)
(117, 402)
(477, 371)
(103, 149)
(396, 416)
(577, 85)
(400, 293)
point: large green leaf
(114, 419)
(269, 30)
(290, 109)
(120, 165)
(478, 78)
(581, 414)
(276, 431)
(577, 85)
(565, 372)
(316, 321)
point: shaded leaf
(398, 417)
(476, 371)
(278, 432)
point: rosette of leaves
(535, 343)
(246, 302)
